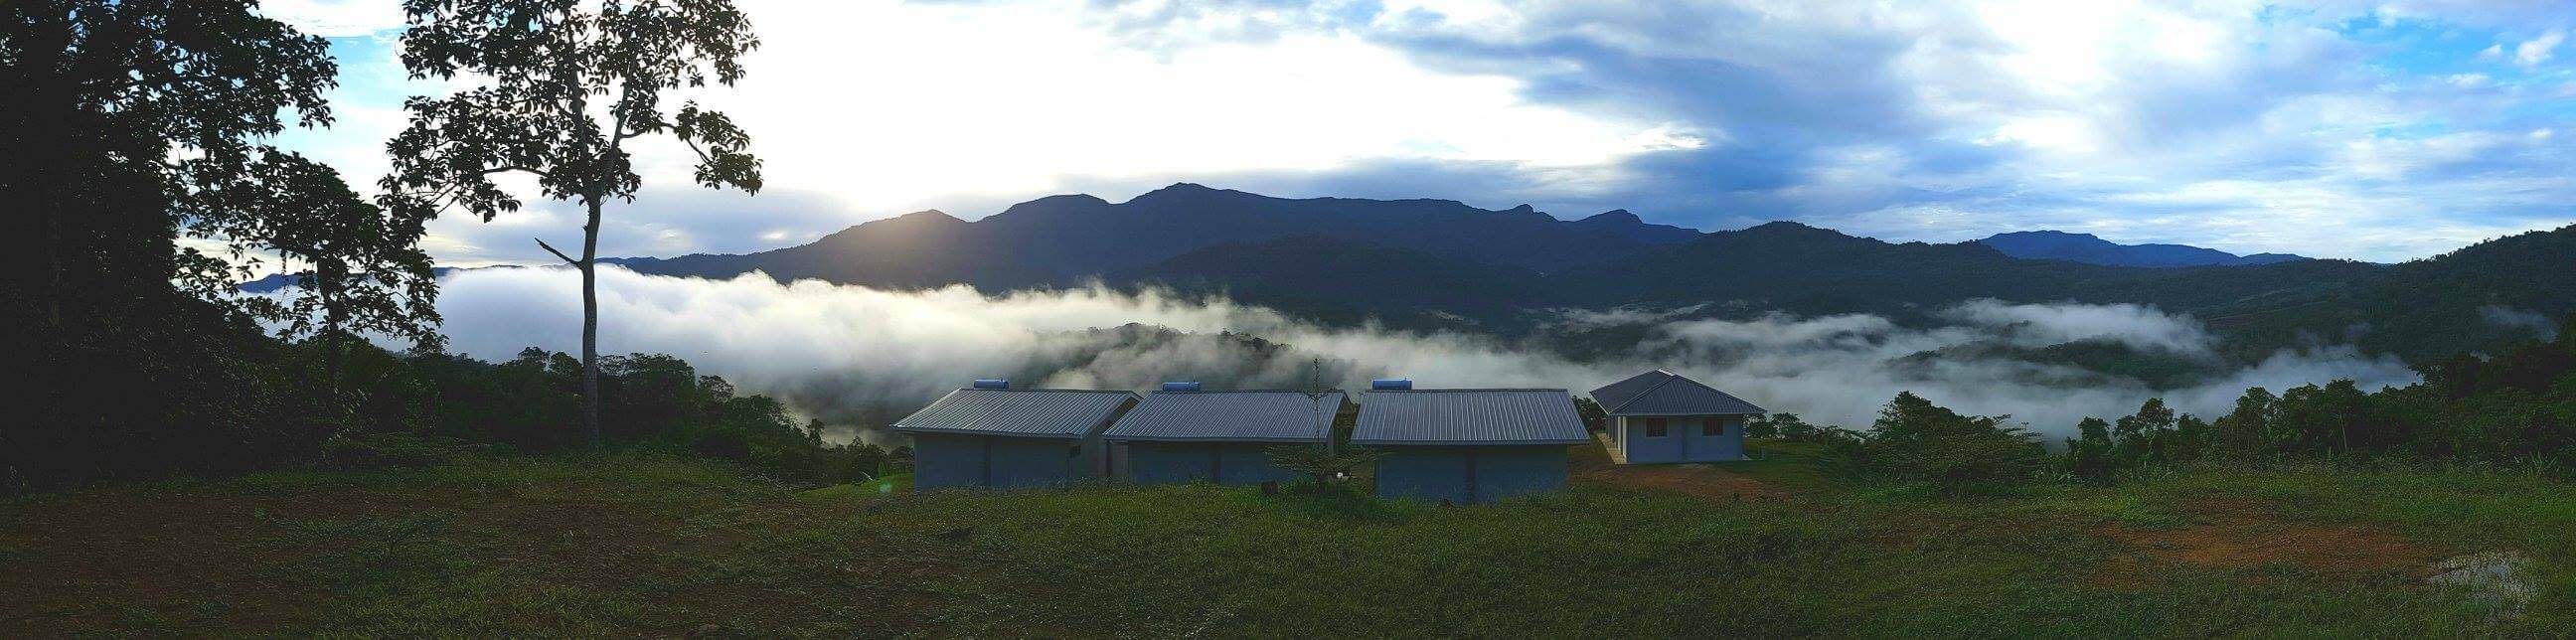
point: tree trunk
(590, 323)
(332, 316)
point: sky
(2381, 131)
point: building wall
(948, 461)
(1682, 440)
(942, 462)
(1430, 474)
(1503, 473)
(1031, 462)
(1222, 462)
(1725, 447)
(1465, 475)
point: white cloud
(2009, 114)
(335, 18)
(890, 105)
(841, 351)
(2538, 50)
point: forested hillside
(2090, 249)
(1066, 238)
(1441, 264)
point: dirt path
(2241, 533)
(1591, 465)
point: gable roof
(1244, 416)
(1469, 417)
(1664, 393)
(1043, 413)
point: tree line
(2517, 410)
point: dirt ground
(2239, 533)
(1591, 465)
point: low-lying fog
(858, 357)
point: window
(1654, 427)
(1712, 429)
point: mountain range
(1061, 238)
(2086, 248)
(1444, 264)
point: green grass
(662, 547)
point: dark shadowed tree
(1918, 439)
(106, 99)
(2145, 436)
(2091, 455)
(114, 116)
(357, 267)
(2246, 432)
(564, 84)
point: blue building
(1467, 446)
(1661, 416)
(993, 436)
(1182, 434)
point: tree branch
(559, 254)
(507, 169)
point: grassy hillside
(660, 547)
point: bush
(394, 450)
(1916, 440)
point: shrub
(1914, 439)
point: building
(1661, 416)
(990, 435)
(1467, 445)
(1183, 434)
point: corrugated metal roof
(1243, 416)
(1664, 393)
(1051, 413)
(1469, 417)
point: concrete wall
(942, 462)
(1504, 473)
(1465, 475)
(1221, 462)
(949, 461)
(1684, 440)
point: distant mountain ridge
(1440, 264)
(2089, 249)
(1064, 238)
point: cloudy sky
(2371, 130)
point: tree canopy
(563, 85)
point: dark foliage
(1916, 439)
(123, 121)
(652, 402)
(1594, 417)
(2518, 408)
(1786, 426)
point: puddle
(2495, 576)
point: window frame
(1655, 427)
(1712, 428)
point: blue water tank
(1180, 386)
(992, 383)
(1391, 384)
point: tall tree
(2143, 437)
(162, 96)
(565, 85)
(357, 267)
(117, 114)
